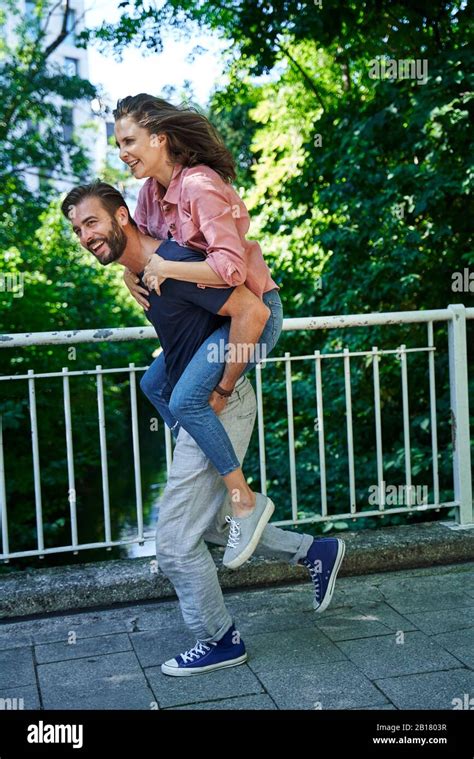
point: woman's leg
(189, 403)
(155, 385)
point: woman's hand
(138, 292)
(153, 273)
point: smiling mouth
(96, 246)
(132, 164)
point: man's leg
(190, 502)
(321, 556)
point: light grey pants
(193, 509)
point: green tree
(358, 189)
(61, 289)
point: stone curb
(82, 586)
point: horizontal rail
(308, 322)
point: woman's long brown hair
(192, 139)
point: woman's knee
(150, 386)
(145, 386)
(183, 404)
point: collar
(171, 195)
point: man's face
(97, 230)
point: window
(67, 118)
(30, 6)
(71, 67)
(110, 125)
(71, 26)
(31, 128)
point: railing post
(458, 382)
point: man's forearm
(245, 332)
(193, 271)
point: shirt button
(172, 226)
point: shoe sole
(181, 672)
(341, 549)
(253, 542)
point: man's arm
(248, 318)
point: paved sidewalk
(398, 640)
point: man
(195, 506)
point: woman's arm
(158, 269)
(190, 271)
(215, 215)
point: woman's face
(144, 153)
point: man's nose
(86, 236)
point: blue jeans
(187, 405)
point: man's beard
(116, 241)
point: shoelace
(196, 651)
(234, 532)
(315, 575)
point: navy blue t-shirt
(184, 315)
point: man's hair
(110, 198)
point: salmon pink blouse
(200, 210)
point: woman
(188, 197)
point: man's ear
(121, 215)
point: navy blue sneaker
(207, 656)
(323, 560)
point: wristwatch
(224, 393)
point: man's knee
(166, 551)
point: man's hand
(153, 275)
(138, 292)
(217, 402)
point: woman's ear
(158, 140)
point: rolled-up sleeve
(213, 214)
(141, 211)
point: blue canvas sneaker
(323, 560)
(207, 656)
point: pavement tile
(224, 683)
(16, 667)
(290, 650)
(82, 647)
(25, 697)
(252, 703)
(460, 643)
(339, 685)
(434, 622)
(417, 594)
(431, 690)
(396, 654)
(113, 681)
(361, 622)
(153, 648)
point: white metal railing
(455, 315)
